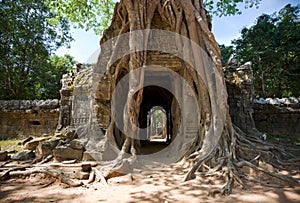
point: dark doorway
(155, 113)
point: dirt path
(159, 185)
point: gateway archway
(157, 112)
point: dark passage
(155, 114)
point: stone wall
(239, 82)
(20, 118)
(75, 97)
(278, 118)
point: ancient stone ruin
(280, 117)
(160, 55)
(37, 118)
(20, 118)
(87, 93)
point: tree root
(7, 162)
(46, 159)
(265, 161)
(17, 172)
(101, 177)
(6, 174)
(92, 177)
(47, 184)
(285, 178)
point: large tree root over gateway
(214, 152)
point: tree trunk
(218, 143)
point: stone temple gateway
(89, 100)
(90, 114)
(87, 93)
(157, 95)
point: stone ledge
(25, 105)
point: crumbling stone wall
(28, 117)
(239, 82)
(278, 118)
(271, 116)
(75, 97)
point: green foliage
(97, 14)
(228, 7)
(27, 40)
(226, 52)
(48, 84)
(159, 121)
(273, 46)
(87, 14)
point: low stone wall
(20, 118)
(280, 119)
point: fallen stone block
(92, 156)
(31, 145)
(76, 144)
(23, 155)
(63, 153)
(45, 148)
(3, 155)
(123, 169)
(125, 179)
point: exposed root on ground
(245, 151)
(17, 172)
(228, 162)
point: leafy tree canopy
(226, 52)
(273, 46)
(97, 14)
(87, 14)
(48, 83)
(229, 7)
(27, 40)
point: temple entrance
(156, 113)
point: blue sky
(225, 29)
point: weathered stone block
(92, 156)
(45, 148)
(125, 179)
(76, 144)
(23, 155)
(3, 155)
(31, 145)
(62, 153)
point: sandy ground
(162, 184)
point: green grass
(10, 145)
